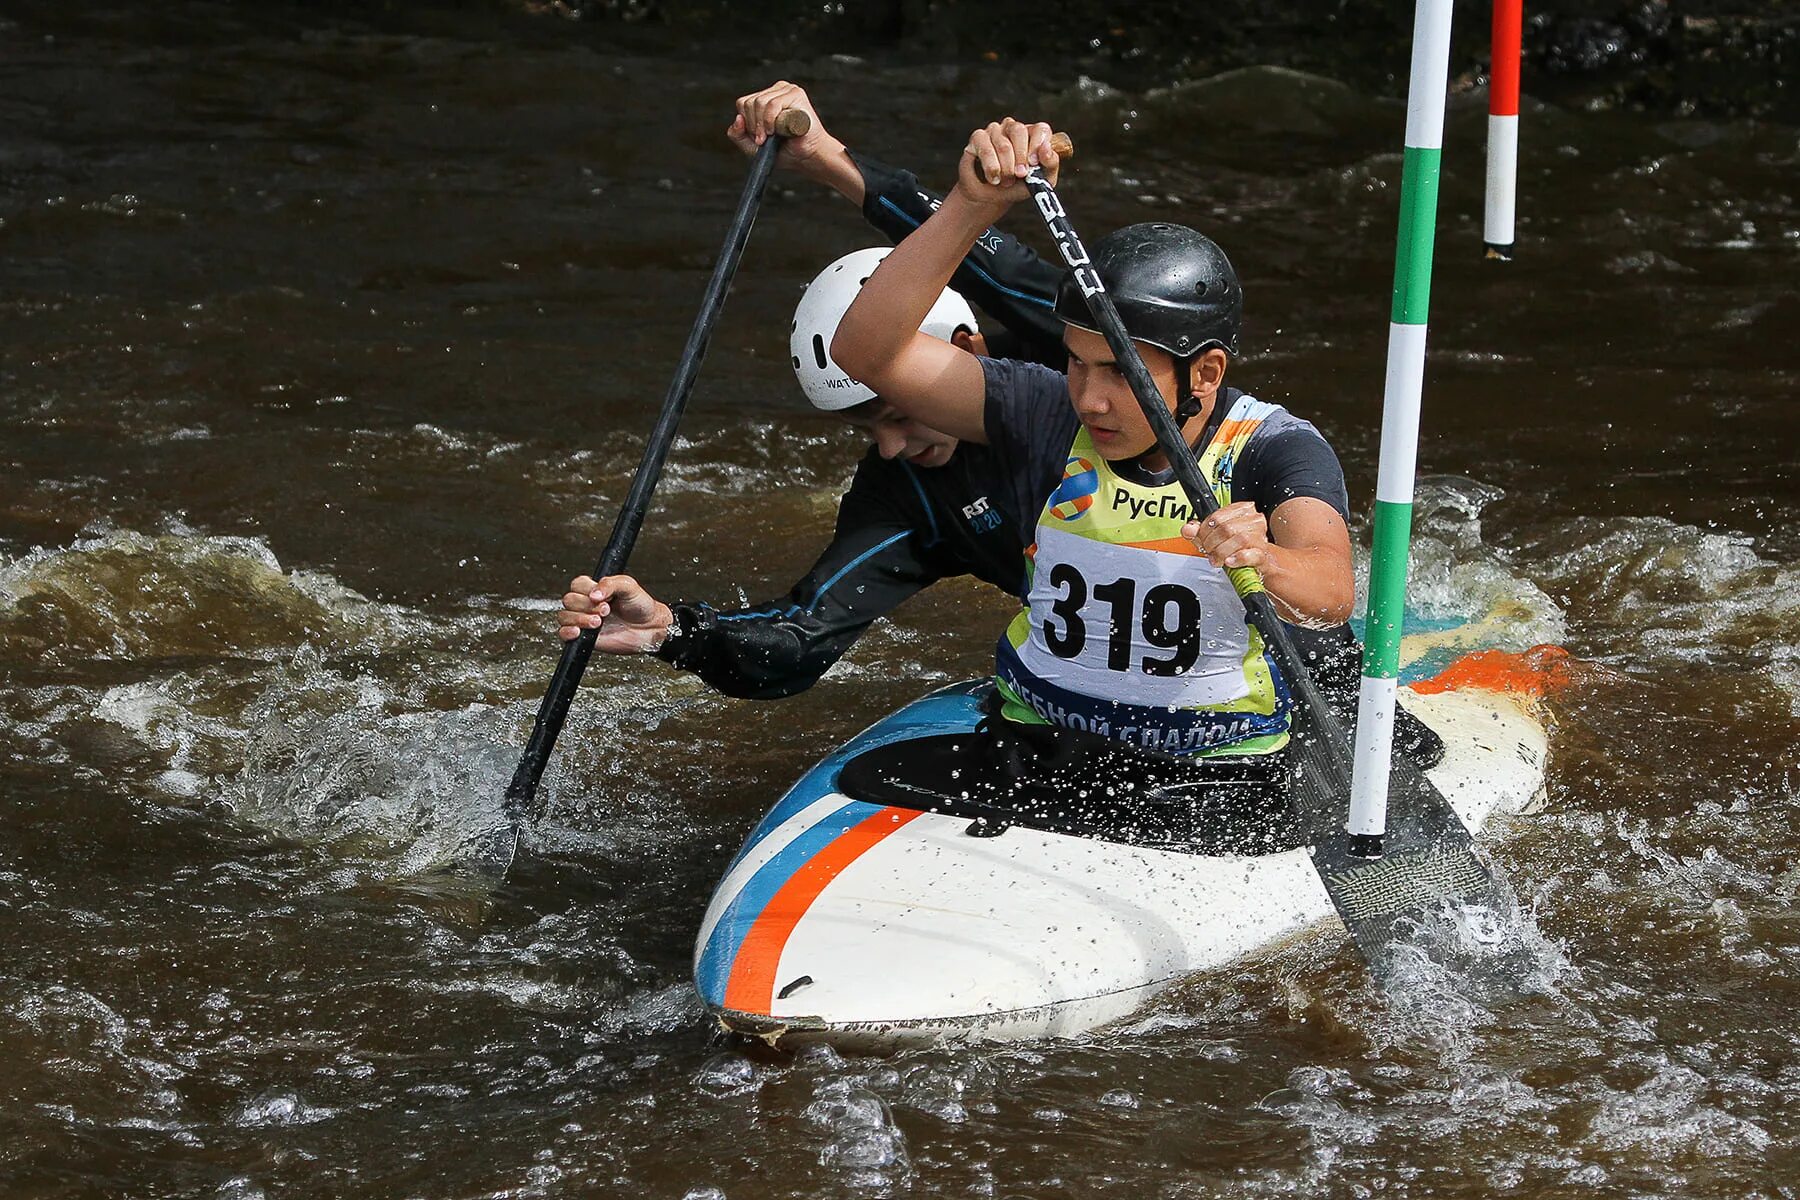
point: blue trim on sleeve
(794, 610)
(854, 563)
(1029, 298)
(925, 503)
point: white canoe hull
(870, 925)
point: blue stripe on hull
(714, 969)
(951, 710)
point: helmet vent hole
(862, 281)
(796, 362)
(819, 355)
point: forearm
(873, 564)
(879, 343)
(1310, 586)
(833, 166)
(886, 315)
(892, 305)
(756, 654)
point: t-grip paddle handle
(793, 123)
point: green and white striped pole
(1367, 824)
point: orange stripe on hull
(1537, 672)
(751, 988)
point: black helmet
(1173, 287)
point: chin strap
(1186, 407)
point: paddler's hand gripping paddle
(491, 852)
(1429, 859)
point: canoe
(921, 914)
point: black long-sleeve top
(1000, 273)
(900, 528)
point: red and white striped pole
(1503, 128)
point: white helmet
(826, 300)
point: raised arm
(816, 154)
(1002, 275)
(1006, 278)
(877, 341)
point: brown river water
(325, 356)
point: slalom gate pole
(1374, 741)
(1503, 129)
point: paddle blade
(1430, 867)
(489, 854)
(1386, 901)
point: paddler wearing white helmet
(816, 319)
(921, 507)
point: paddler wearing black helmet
(1175, 290)
(1130, 628)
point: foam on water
(1456, 576)
(293, 700)
(863, 1144)
(330, 761)
(1668, 1116)
(111, 1071)
(279, 1109)
(1447, 1042)
(120, 594)
(1647, 588)
(1443, 984)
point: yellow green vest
(1127, 630)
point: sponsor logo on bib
(1075, 494)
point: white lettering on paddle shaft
(1071, 250)
(1160, 505)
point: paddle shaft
(521, 793)
(1257, 605)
